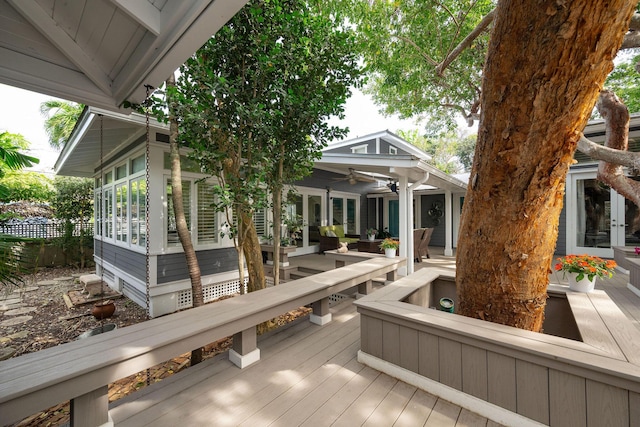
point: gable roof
(373, 140)
(411, 162)
(103, 52)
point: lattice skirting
(211, 292)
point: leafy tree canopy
(624, 81)
(407, 46)
(10, 156)
(60, 120)
(73, 198)
(25, 185)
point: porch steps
(301, 272)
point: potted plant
(390, 247)
(371, 234)
(583, 270)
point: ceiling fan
(393, 186)
(353, 177)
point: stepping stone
(77, 275)
(10, 301)
(12, 306)
(25, 289)
(8, 297)
(18, 311)
(16, 321)
(63, 279)
(17, 335)
(6, 353)
(47, 283)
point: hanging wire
(147, 103)
(101, 213)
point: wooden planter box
(620, 255)
(591, 376)
(634, 274)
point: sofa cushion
(349, 240)
(339, 230)
(330, 233)
(323, 230)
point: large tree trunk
(181, 222)
(545, 67)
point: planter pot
(390, 253)
(446, 304)
(103, 310)
(584, 285)
(371, 237)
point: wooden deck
(308, 375)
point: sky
(20, 113)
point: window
(121, 172)
(186, 164)
(108, 213)
(137, 164)
(360, 149)
(260, 220)
(120, 203)
(121, 212)
(172, 231)
(207, 215)
(393, 150)
(97, 202)
(351, 217)
(138, 212)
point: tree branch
(482, 26)
(420, 51)
(616, 116)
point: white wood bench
(80, 371)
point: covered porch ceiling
(391, 166)
(102, 52)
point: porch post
(409, 238)
(404, 225)
(91, 409)
(448, 218)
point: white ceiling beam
(32, 12)
(143, 12)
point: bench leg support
(244, 350)
(91, 409)
(392, 276)
(321, 314)
(365, 288)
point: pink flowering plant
(586, 265)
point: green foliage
(73, 203)
(13, 262)
(254, 99)
(405, 43)
(624, 81)
(73, 200)
(25, 185)
(10, 156)
(61, 118)
(451, 152)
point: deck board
(307, 375)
